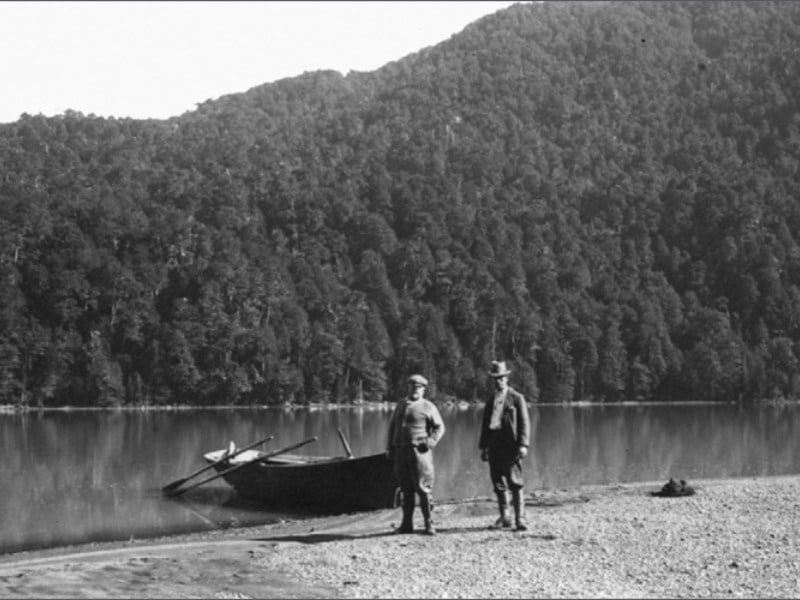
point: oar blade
(175, 484)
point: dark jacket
(515, 423)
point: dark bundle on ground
(675, 488)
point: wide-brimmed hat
(498, 369)
(418, 379)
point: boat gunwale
(285, 460)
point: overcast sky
(158, 59)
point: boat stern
(216, 455)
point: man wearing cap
(504, 441)
(415, 428)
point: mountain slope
(601, 193)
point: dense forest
(605, 194)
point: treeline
(604, 194)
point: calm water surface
(73, 477)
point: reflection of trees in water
(458, 473)
(605, 444)
(80, 476)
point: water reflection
(72, 477)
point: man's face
(416, 390)
(500, 383)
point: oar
(245, 463)
(345, 444)
(178, 482)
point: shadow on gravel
(319, 538)
(554, 502)
(378, 525)
(484, 529)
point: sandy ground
(733, 538)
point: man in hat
(504, 441)
(415, 428)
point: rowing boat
(330, 484)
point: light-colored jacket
(413, 422)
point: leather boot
(504, 521)
(407, 525)
(518, 500)
(425, 505)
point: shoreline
(733, 538)
(10, 409)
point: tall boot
(425, 505)
(502, 503)
(407, 525)
(518, 500)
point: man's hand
(423, 446)
(523, 451)
(485, 454)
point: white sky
(158, 59)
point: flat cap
(418, 379)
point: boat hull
(333, 485)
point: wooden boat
(329, 484)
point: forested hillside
(604, 194)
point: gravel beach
(734, 538)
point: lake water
(79, 476)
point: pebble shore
(732, 539)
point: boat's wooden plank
(298, 459)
